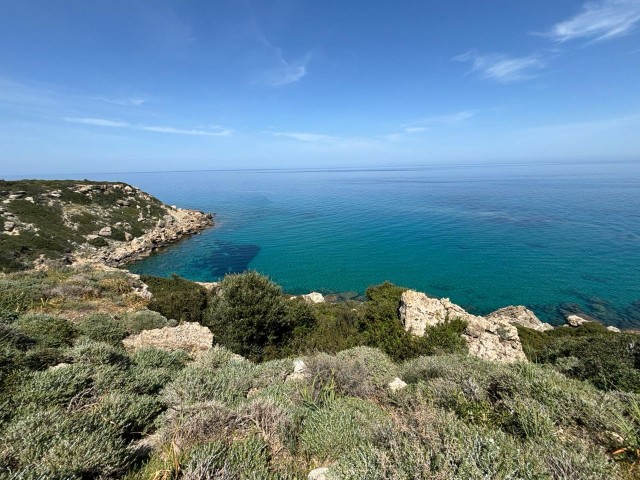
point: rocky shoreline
(177, 223)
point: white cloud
(599, 20)
(125, 102)
(307, 137)
(99, 122)
(213, 131)
(502, 68)
(429, 123)
(283, 72)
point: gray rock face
(189, 336)
(105, 232)
(313, 297)
(491, 339)
(576, 320)
(417, 311)
(519, 315)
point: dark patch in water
(231, 258)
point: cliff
(84, 221)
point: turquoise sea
(558, 238)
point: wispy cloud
(502, 68)
(307, 136)
(283, 72)
(213, 131)
(125, 102)
(599, 20)
(429, 123)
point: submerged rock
(520, 315)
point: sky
(153, 85)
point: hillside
(106, 374)
(70, 221)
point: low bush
(136, 322)
(102, 327)
(177, 298)
(47, 330)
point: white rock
(318, 474)
(105, 232)
(29, 199)
(611, 328)
(396, 384)
(490, 339)
(313, 297)
(128, 237)
(300, 371)
(520, 315)
(188, 336)
(576, 320)
(9, 226)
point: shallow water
(557, 238)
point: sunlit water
(557, 238)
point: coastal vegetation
(76, 404)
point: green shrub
(132, 415)
(177, 298)
(98, 242)
(102, 327)
(590, 352)
(248, 315)
(340, 427)
(46, 330)
(136, 322)
(99, 353)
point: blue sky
(126, 85)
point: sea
(557, 238)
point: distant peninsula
(86, 221)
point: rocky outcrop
(521, 316)
(488, 338)
(318, 474)
(576, 320)
(189, 336)
(418, 311)
(313, 297)
(300, 371)
(613, 329)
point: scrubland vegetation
(74, 404)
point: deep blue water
(557, 238)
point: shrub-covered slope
(314, 392)
(57, 219)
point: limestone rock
(396, 384)
(576, 320)
(9, 226)
(318, 474)
(493, 340)
(313, 297)
(611, 328)
(189, 336)
(300, 370)
(58, 366)
(489, 338)
(210, 286)
(105, 232)
(122, 202)
(128, 237)
(417, 311)
(520, 315)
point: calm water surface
(557, 238)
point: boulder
(9, 226)
(318, 474)
(576, 320)
(123, 203)
(492, 339)
(189, 336)
(417, 311)
(105, 232)
(396, 384)
(520, 315)
(300, 370)
(611, 328)
(128, 237)
(313, 297)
